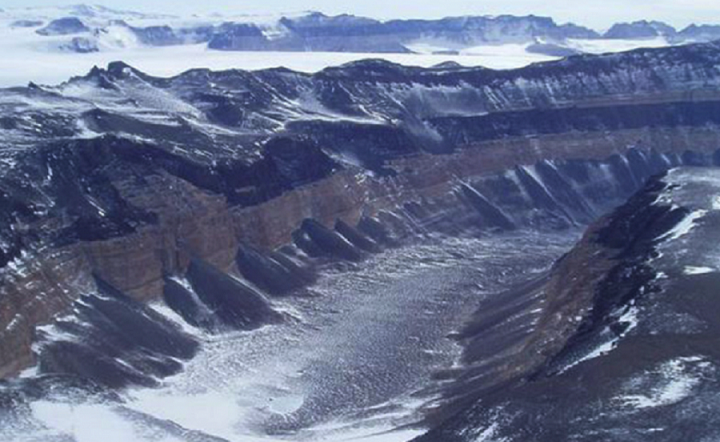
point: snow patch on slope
(671, 382)
(629, 318)
(692, 270)
(684, 227)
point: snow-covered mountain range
(85, 28)
(46, 45)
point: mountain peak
(640, 29)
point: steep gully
(172, 233)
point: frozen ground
(19, 65)
(354, 362)
(26, 56)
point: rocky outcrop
(26, 23)
(235, 304)
(64, 26)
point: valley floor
(354, 361)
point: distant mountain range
(84, 28)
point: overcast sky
(595, 13)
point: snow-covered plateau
(47, 45)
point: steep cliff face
(130, 179)
(616, 341)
